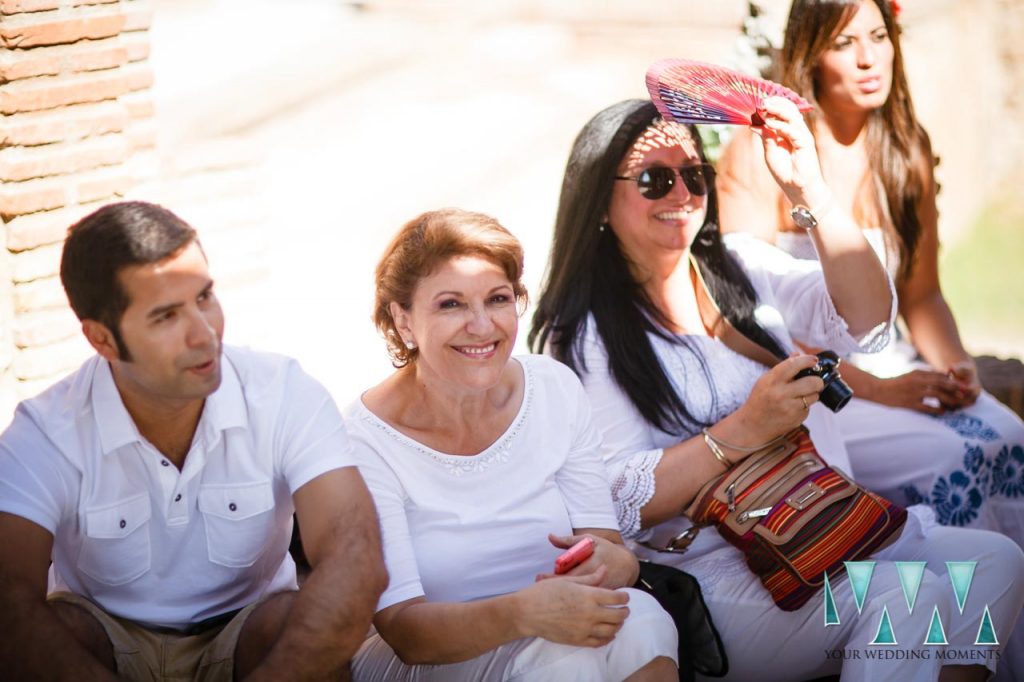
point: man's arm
(331, 614)
(35, 643)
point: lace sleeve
(837, 333)
(793, 296)
(633, 487)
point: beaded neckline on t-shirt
(458, 465)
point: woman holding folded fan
(484, 469)
(638, 281)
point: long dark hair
(897, 145)
(588, 274)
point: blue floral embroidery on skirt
(968, 427)
(1008, 472)
(956, 501)
(957, 498)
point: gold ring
(804, 401)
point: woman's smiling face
(649, 229)
(464, 320)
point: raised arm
(856, 279)
(748, 198)
(331, 615)
(36, 644)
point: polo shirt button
(232, 507)
(123, 523)
(177, 498)
(165, 463)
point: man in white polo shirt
(161, 479)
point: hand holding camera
(781, 398)
(837, 392)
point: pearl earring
(601, 227)
(411, 345)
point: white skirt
(648, 633)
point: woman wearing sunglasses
(921, 428)
(636, 238)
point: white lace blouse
(793, 302)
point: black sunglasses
(657, 181)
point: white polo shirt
(148, 542)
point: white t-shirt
(458, 528)
(148, 542)
(792, 301)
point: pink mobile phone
(574, 556)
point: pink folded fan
(687, 91)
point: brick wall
(76, 132)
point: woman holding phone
(484, 469)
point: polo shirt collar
(224, 409)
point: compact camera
(837, 392)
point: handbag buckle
(753, 514)
(678, 544)
(809, 493)
(730, 496)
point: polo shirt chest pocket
(239, 521)
(116, 544)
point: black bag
(700, 647)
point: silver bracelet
(739, 448)
(715, 450)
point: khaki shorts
(146, 655)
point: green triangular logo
(936, 633)
(961, 573)
(911, 573)
(831, 613)
(860, 577)
(986, 631)
(885, 636)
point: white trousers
(766, 644)
(968, 465)
(647, 634)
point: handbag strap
(720, 328)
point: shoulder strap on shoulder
(721, 328)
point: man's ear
(101, 339)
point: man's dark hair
(109, 239)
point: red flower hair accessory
(896, 8)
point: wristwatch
(803, 217)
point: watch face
(803, 218)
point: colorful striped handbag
(795, 518)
